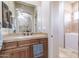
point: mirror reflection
(24, 18)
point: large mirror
(24, 17)
(24, 20)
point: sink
(23, 37)
(12, 38)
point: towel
(38, 50)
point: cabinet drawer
(24, 43)
(35, 41)
(43, 40)
(9, 45)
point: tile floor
(66, 53)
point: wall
(43, 16)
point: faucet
(24, 33)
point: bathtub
(71, 41)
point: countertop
(19, 38)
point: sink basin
(23, 36)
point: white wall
(43, 16)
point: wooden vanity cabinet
(23, 48)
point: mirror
(24, 18)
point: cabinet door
(45, 47)
(12, 53)
(28, 52)
(22, 52)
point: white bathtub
(71, 41)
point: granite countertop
(19, 38)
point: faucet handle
(24, 33)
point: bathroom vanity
(22, 47)
(19, 41)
